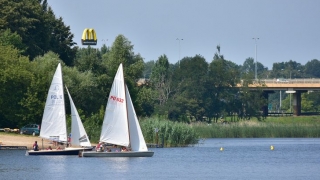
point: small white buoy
(271, 148)
(221, 149)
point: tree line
(33, 41)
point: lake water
(241, 159)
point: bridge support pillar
(265, 107)
(297, 103)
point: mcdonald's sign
(89, 37)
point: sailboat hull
(118, 154)
(67, 151)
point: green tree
(26, 18)
(89, 59)
(288, 70)
(189, 80)
(89, 62)
(122, 52)
(104, 49)
(249, 66)
(148, 66)
(35, 23)
(84, 88)
(161, 79)
(15, 78)
(310, 102)
(7, 38)
(222, 80)
(312, 68)
(61, 41)
(33, 102)
(145, 100)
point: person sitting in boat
(55, 143)
(99, 147)
(117, 148)
(69, 141)
(35, 146)
(58, 148)
(108, 150)
(49, 148)
(124, 149)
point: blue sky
(287, 29)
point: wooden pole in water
(157, 138)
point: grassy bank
(168, 133)
(271, 127)
(173, 134)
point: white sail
(137, 141)
(115, 124)
(54, 120)
(120, 123)
(79, 136)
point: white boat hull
(118, 154)
(67, 151)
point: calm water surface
(241, 159)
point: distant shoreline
(12, 139)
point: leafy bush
(170, 134)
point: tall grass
(174, 134)
(271, 128)
(170, 134)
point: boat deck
(117, 154)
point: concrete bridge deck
(292, 86)
(299, 84)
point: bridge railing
(291, 81)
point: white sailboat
(79, 136)
(53, 126)
(120, 125)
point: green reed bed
(174, 134)
(258, 130)
(168, 133)
(294, 120)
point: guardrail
(291, 81)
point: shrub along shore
(271, 127)
(172, 134)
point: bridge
(292, 86)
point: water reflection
(118, 164)
(240, 159)
(54, 164)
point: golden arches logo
(89, 37)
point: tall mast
(125, 94)
(64, 102)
